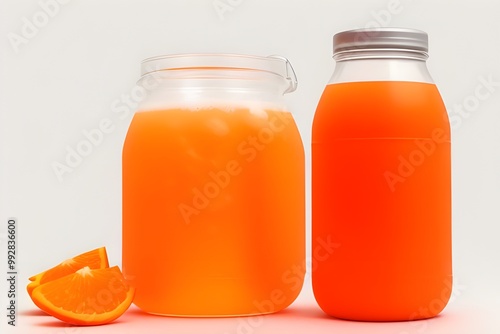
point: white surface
(464, 316)
(83, 63)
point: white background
(64, 80)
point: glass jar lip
(389, 38)
(222, 61)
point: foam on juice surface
(256, 108)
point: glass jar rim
(222, 61)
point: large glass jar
(213, 187)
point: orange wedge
(93, 259)
(87, 297)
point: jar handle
(290, 75)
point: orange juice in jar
(213, 188)
(381, 181)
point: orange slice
(93, 259)
(86, 297)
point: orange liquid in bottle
(381, 195)
(213, 211)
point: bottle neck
(376, 65)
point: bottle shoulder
(380, 109)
